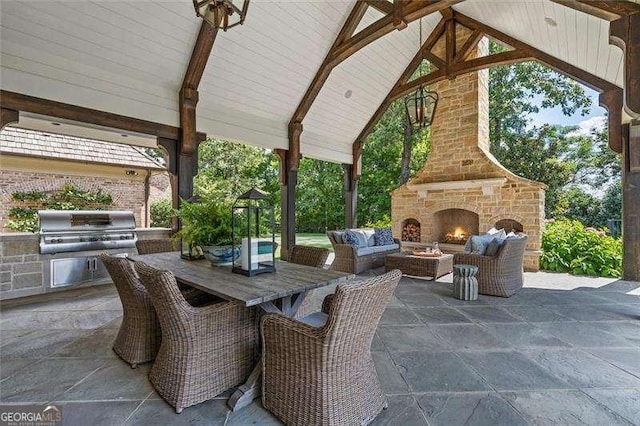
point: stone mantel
(487, 185)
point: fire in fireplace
(410, 230)
(458, 236)
(455, 226)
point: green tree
(382, 162)
(320, 205)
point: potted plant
(206, 229)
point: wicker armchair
(309, 256)
(139, 337)
(205, 350)
(499, 275)
(154, 246)
(326, 375)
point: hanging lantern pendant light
(218, 12)
(421, 105)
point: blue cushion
(493, 247)
(383, 236)
(351, 237)
(479, 243)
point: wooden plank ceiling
(129, 58)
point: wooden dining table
(282, 292)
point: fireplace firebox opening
(455, 226)
(411, 230)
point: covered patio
(564, 350)
(312, 79)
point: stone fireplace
(462, 189)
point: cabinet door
(100, 271)
(67, 272)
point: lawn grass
(314, 240)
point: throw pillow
(479, 243)
(493, 231)
(467, 246)
(493, 247)
(383, 236)
(351, 237)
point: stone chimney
(462, 189)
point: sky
(554, 115)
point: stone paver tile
(523, 335)
(253, 414)
(113, 304)
(411, 288)
(32, 320)
(522, 298)
(45, 380)
(114, 380)
(96, 413)
(394, 315)
(410, 338)
(468, 337)
(613, 296)
(488, 314)
(437, 372)
(421, 300)
(588, 313)
(89, 319)
(625, 402)
(561, 407)
(97, 344)
(535, 313)
(583, 335)
(155, 412)
(376, 344)
(629, 330)
(582, 370)
(564, 297)
(441, 315)
(389, 375)
(41, 343)
(9, 366)
(486, 408)
(625, 358)
(511, 371)
(65, 305)
(402, 410)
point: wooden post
(631, 202)
(350, 197)
(8, 116)
(288, 182)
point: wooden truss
(455, 62)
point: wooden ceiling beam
(8, 116)
(455, 65)
(46, 107)
(383, 6)
(607, 10)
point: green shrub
(384, 222)
(25, 219)
(568, 246)
(205, 223)
(161, 212)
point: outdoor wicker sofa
(500, 275)
(325, 375)
(139, 337)
(205, 350)
(354, 260)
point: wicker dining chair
(154, 246)
(205, 350)
(139, 337)
(308, 256)
(325, 375)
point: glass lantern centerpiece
(252, 227)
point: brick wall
(127, 193)
(460, 152)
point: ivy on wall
(24, 216)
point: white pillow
(492, 231)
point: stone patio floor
(565, 350)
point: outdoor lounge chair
(325, 375)
(205, 350)
(139, 337)
(500, 275)
(154, 246)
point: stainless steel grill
(81, 230)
